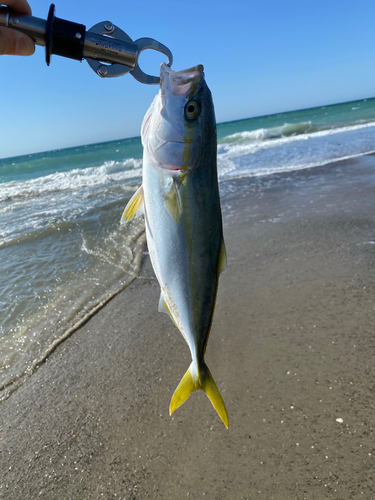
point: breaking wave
(291, 147)
(286, 130)
(73, 180)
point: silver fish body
(179, 197)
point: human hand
(13, 42)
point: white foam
(73, 180)
(306, 150)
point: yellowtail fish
(179, 198)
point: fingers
(20, 6)
(15, 43)
(12, 42)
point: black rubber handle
(63, 38)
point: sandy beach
(292, 350)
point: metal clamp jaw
(109, 51)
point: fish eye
(192, 110)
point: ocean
(63, 252)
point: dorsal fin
(135, 206)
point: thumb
(14, 43)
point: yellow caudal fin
(183, 391)
(134, 207)
(209, 387)
(205, 382)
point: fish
(179, 198)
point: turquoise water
(304, 120)
(64, 160)
(62, 250)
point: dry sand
(292, 350)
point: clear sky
(259, 58)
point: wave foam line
(72, 180)
(288, 132)
(19, 379)
(263, 172)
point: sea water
(63, 252)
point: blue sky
(259, 58)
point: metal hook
(110, 34)
(149, 43)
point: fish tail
(183, 391)
(210, 388)
(204, 381)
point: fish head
(180, 121)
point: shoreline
(291, 351)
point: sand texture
(292, 350)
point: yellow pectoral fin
(134, 207)
(172, 201)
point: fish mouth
(180, 82)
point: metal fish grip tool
(108, 49)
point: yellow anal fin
(134, 206)
(222, 258)
(164, 308)
(205, 382)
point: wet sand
(292, 350)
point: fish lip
(188, 73)
(179, 82)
